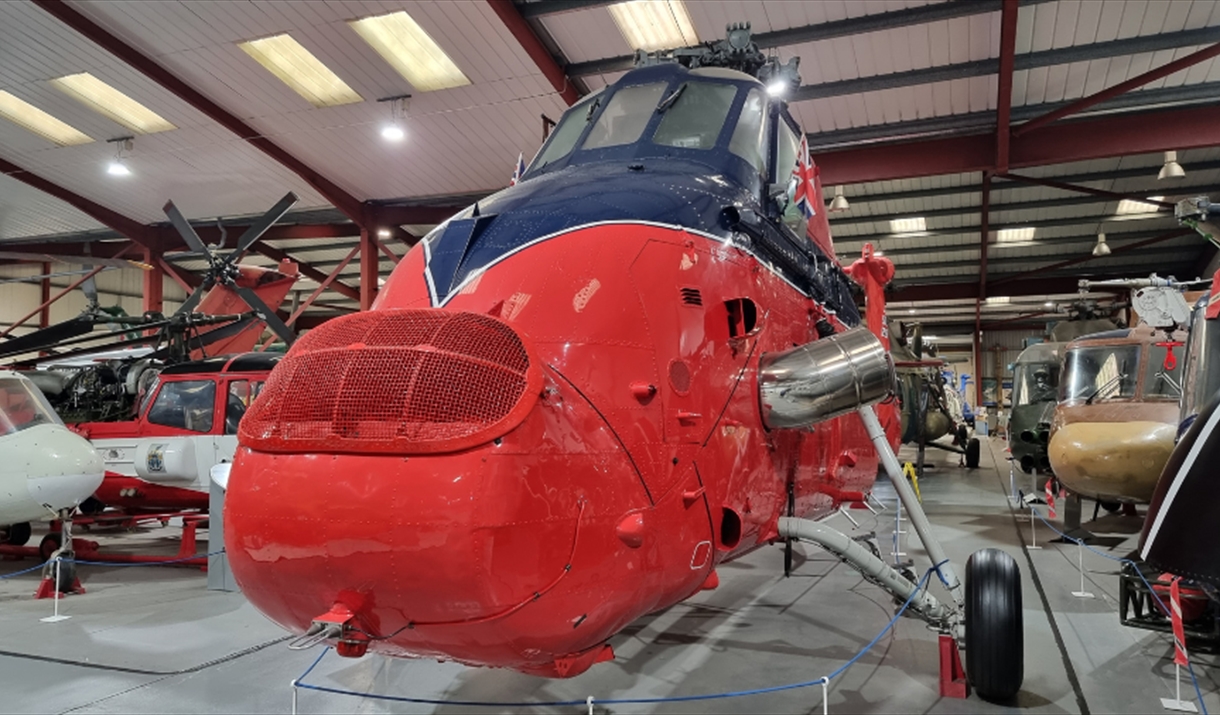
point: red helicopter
(574, 400)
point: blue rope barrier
(629, 701)
(19, 573)
(1123, 560)
(108, 563)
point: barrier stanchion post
(294, 697)
(56, 617)
(1033, 529)
(897, 551)
(825, 696)
(1080, 563)
(589, 704)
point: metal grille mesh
(395, 382)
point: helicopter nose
(63, 468)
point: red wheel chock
(953, 683)
(46, 589)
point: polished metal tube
(823, 379)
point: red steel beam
(520, 29)
(181, 279)
(340, 198)
(44, 318)
(1115, 135)
(307, 270)
(1122, 88)
(370, 269)
(296, 314)
(1084, 259)
(1008, 48)
(154, 284)
(393, 216)
(1084, 189)
(984, 234)
(130, 228)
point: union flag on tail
(806, 197)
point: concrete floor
(151, 639)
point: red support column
(154, 284)
(370, 259)
(978, 355)
(44, 317)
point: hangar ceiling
(915, 109)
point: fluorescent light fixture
(1013, 235)
(108, 101)
(931, 337)
(44, 125)
(911, 311)
(908, 225)
(118, 167)
(654, 24)
(383, 233)
(1049, 304)
(1135, 206)
(393, 133)
(878, 254)
(410, 51)
(998, 299)
(288, 60)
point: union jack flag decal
(804, 173)
(518, 170)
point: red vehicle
(186, 423)
(574, 400)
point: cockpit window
(1101, 373)
(187, 404)
(695, 117)
(749, 137)
(787, 146)
(1160, 381)
(22, 406)
(564, 136)
(624, 119)
(1035, 382)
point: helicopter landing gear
(972, 453)
(994, 626)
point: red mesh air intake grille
(396, 382)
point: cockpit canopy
(718, 117)
(1110, 370)
(23, 406)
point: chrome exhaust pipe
(824, 379)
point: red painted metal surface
(639, 464)
(1008, 47)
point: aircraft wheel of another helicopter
(1111, 506)
(972, 453)
(49, 545)
(67, 576)
(18, 534)
(995, 637)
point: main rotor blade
(259, 227)
(89, 288)
(73, 260)
(268, 315)
(46, 337)
(194, 298)
(203, 340)
(185, 229)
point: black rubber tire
(18, 534)
(995, 633)
(49, 545)
(962, 436)
(972, 453)
(1111, 506)
(67, 576)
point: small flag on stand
(1050, 498)
(806, 190)
(518, 170)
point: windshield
(564, 136)
(696, 116)
(23, 406)
(1100, 373)
(1203, 379)
(1035, 382)
(1159, 380)
(624, 119)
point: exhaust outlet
(1028, 436)
(824, 379)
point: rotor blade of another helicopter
(74, 260)
(89, 288)
(259, 227)
(46, 337)
(193, 299)
(129, 343)
(205, 339)
(268, 315)
(186, 230)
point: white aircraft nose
(64, 469)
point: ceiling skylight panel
(110, 102)
(44, 125)
(296, 67)
(654, 24)
(411, 51)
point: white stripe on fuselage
(1178, 479)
